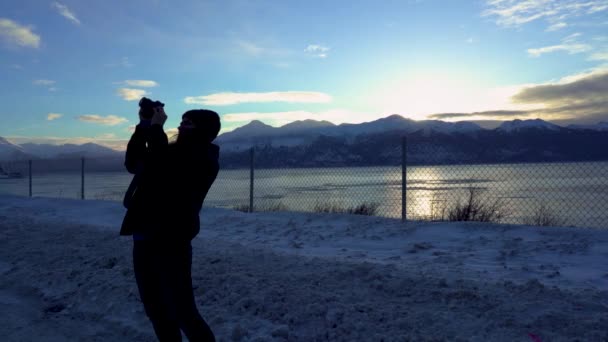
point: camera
(146, 107)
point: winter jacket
(170, 184)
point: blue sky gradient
(355, 60)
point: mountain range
(322, 143)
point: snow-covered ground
(66, 275)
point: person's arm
(149, 141)
(136, 148)
(157, 140)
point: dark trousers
(163, 276)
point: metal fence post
(82, 180)
(403, 179)
(251, 181)
(30, 174)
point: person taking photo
(163, 204)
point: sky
(73, 71)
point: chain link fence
(543, 194)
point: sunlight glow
(423, 95)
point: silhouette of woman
(164, 201)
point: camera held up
(146, 107)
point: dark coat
(170, 184)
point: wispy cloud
(64, 11)
(140, 83)
(109, 120)
(124, 62)
(557, 26)
(599, 56)
(317, 50)
(250, 48)
(222, 99)
(106, 136)
(43, 82)
(131, 94)
(53, 116)
(570, 48)
(15, 34)
(258, 50)
(494, 114)
(514, 13)
(569, 44)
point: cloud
(250, 48)
(256, 50)
(171, 132)
(580, 97)
(140, 83)
(599, 56)
(106, 136)
(43, 82)
(123, 63)
(16, 34)
(570, 48)
(487, 114)
(110, 120)
(131, 94)
(569, 44)
(53, 116)
(586, 90)
(222, 99)
(317, 50)
(556, 26)
(515, 13)
(65, 12)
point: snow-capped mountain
(304, 132)
(69, 150)
(10, 151)
(600, 126)
(301, 125)
(518, 125)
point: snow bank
(67, 275)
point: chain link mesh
(544, 194)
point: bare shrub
(367, 209)
(476, 207)
(544, 216)
(266, 207)
(272, 206)
(329, 208)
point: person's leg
(148, 267)
(190, 320)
